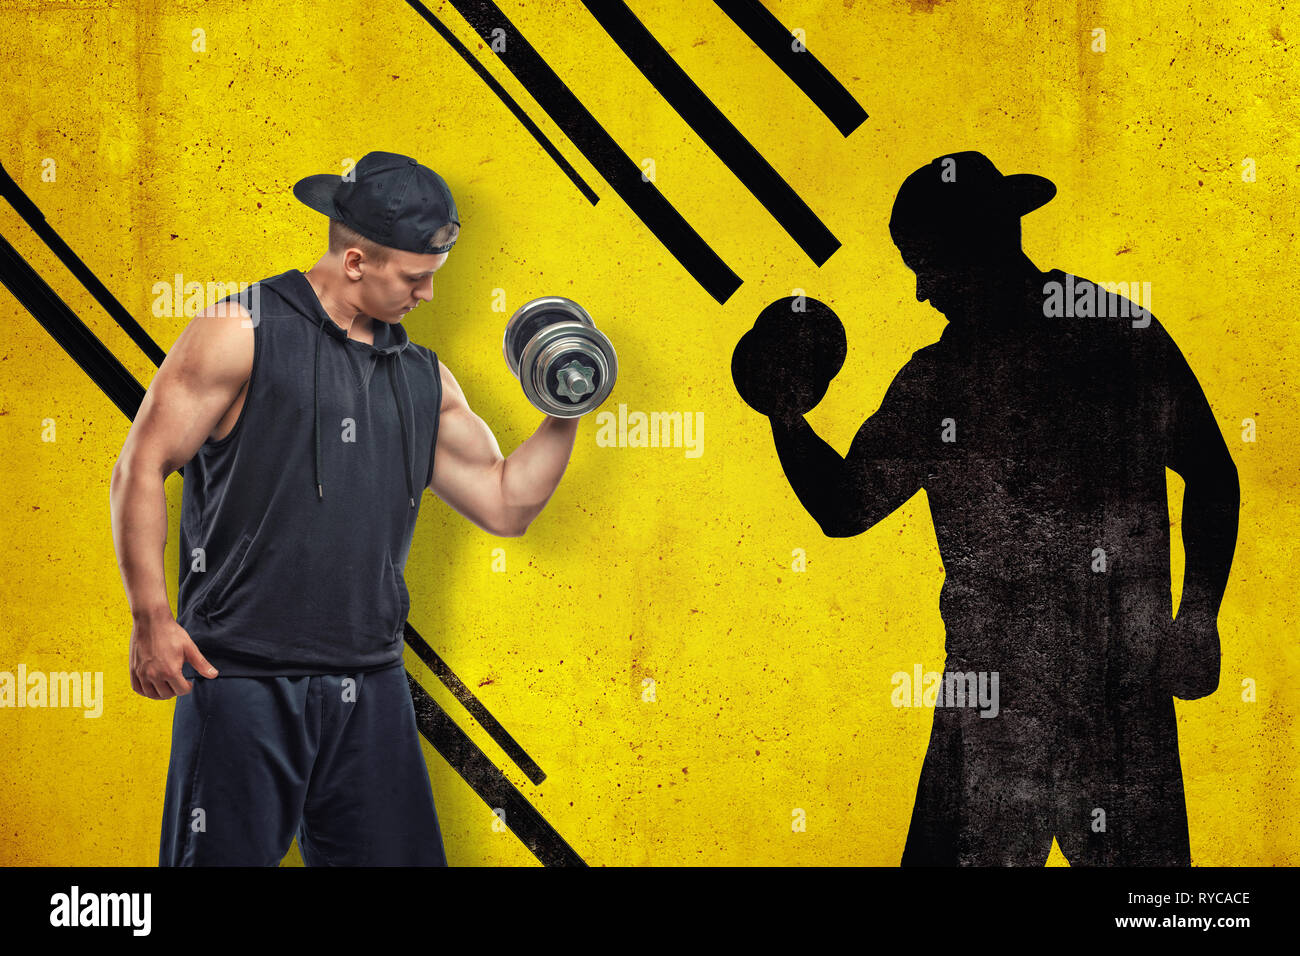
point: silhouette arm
(847, 495)
(1196, 450)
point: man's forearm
(532, 472)
(138, 509)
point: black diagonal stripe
(105, 371)
(622, 174)
(11, 191)
(473, 705)
(521, 817)
(505, 98)
(736, 152)
(817, 82)
(58, 319)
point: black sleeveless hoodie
(296, 526)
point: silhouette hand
(1189, 654)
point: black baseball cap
(391, 199)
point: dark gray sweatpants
(334, 759)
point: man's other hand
(159, 648)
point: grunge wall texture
(771, 687)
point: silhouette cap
(390, 199)
(964, 190)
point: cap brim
(1030, 191)
(318, 193)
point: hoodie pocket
(221, 585)
(401, 599)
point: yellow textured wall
(772, 687)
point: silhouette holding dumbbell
(1040, 425)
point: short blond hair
(343, 237)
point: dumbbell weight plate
(568, 368)
(531, 317)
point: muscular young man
(308, 425)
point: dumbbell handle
(576, 380)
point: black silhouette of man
(1040, 427)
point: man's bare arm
(501, 495)
(195, 386)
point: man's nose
(425, 292)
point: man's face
(389, 291)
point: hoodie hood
(390, 341)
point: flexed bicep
(467, 461)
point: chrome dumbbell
(566, 365)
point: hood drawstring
(320, 332)
(296, 289)
(401, 421)
(397, 402)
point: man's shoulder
(426, 360)
(423, 353)
(444, 383)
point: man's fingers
(177, 685)
(197, 660)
